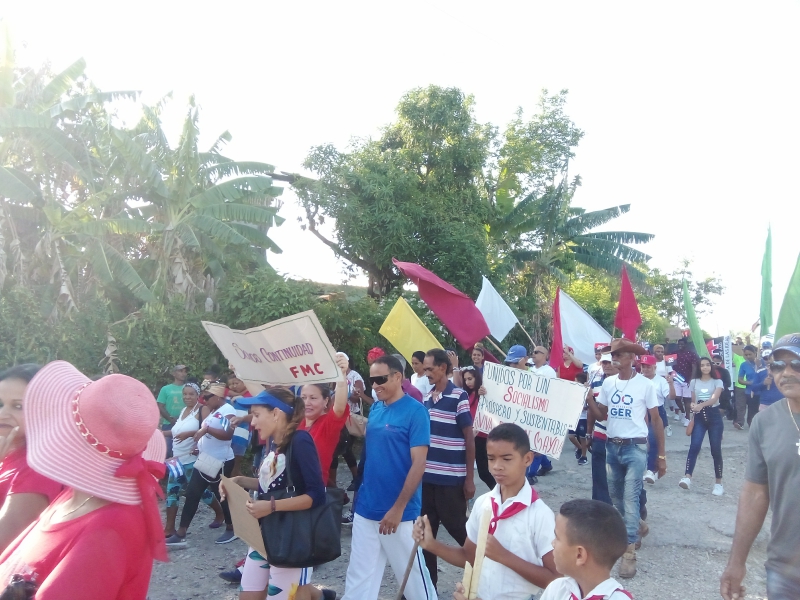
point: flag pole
(496, 347)
(533, 344)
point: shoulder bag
(357, 424)
(302, 538)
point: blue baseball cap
(266, 399)
(790, 342)
(516, 354)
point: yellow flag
(404, 329)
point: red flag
(628, 318)
(454, 308)
(557, 347)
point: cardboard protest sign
(245, 525)
(291, 351)
(722, 346)
(545, 408)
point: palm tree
(51, 183)
(206, 211)
(536, 243)
(548, 234)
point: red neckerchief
(601, 596)
(516, 507)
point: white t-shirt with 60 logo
(628, 401)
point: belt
(627, 441)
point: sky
(690, 110)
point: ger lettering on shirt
(447, 456)
(628, 401)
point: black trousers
(483, 463)
(198, 484)
(445, 505)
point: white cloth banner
(546, 408)
(498, 315)
(579, 330)
(291, 351)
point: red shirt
(16, 477)
(474, 400)
(569, 372)
(104, 555)
(325, 432)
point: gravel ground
(682, 558)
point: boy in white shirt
(590, 538)
(519, 554)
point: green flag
(694, 326)
(765, 314)
(789, 316)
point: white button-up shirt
(566, 588)
(528, 534)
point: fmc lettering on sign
(545, 408)
(290, 351)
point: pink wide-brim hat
(79, 432)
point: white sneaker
(677, 416)
(668, 429)
(718, 490)
(686, 483)
(649, 476)
(685, 422)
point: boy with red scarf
(516, 566)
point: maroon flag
(628, 318)
(557, 347)
(454, 308)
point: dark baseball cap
(789, 342)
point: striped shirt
(447, 454)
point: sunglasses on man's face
(779, 366)
(378, 380)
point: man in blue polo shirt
(448, 481)
(390, 497)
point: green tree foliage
(88, 208)
(204, 210)
(414, 194)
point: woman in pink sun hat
(100, 439)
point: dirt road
(682, 558)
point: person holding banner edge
(625, 400)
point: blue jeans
(781, 587)
(710, 420)
(625, 466)
(652, 445)
(168, 439)
(600, 477)
(539, 461)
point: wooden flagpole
(496, 347)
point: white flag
(579, 330)
(498, 315)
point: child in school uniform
(519, 554)
(590, 538)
